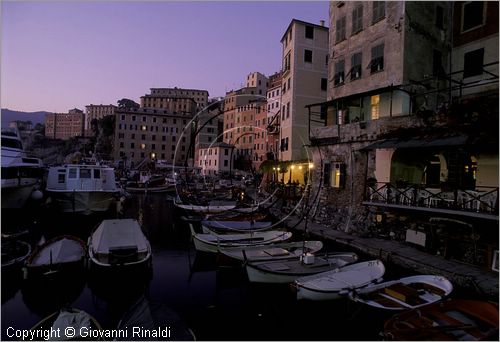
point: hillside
(10, 115)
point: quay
(483, 282)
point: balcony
(481, 202)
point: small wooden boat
(84, 327)
(62, 253)
(149, 184)
(212, 242)
(451, 320)
(219, 227)
(210, 208)
(277, 251)
(119, 243)
(14, 253)
(336, 283)
(405, 293)
(286, 271)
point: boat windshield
(12, 143)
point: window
(356, 66)
(122, 144)
(85, 173)
(375, 100)
(225, 162)
(153, 146)
(473, 63)
(288, 110)
(472, 15)
(337, 175)
(143, 146)
(439, 17)
(357, 20)
(437, 65)
(72, 173)
(286, 62)
(338, 77)
(61, 178)
(309, 32)
(340, 32)
(143, 136)
(324, 83)
(132, 145)
(308, 56)
(378, 11)
(226, 151)
(283, 113)
(377, 62)
(123, 117)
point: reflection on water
(215, 303)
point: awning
(421, 142)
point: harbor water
(215, 303)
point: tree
(127, 104)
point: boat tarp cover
(236, 225)
(77, 320)
(118, 234)
(63, 250)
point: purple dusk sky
(60, 55)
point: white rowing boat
(333, 284)
(212, 242)
(405, 293)
(278, 251)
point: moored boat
(148, 183)
(211, 208)
(286, 271)
(67, 324)
(234, 226)
(119, 242)
(450, 320)
(212, 242)
(405, 293)
(82, 188)
(14, 253)
(336, 283)
(61, 253)
(20, 174)
(276, 251)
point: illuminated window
(143, 146)
(375, 100)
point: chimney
(322, 22)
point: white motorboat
(336, 283)
(405, 293)
(149, 183)
(234, 226)
(286, 271)
(119, 243)
(82, 188)
(277, 251)
(20, 174)
(212, 242)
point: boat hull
(16, 197)
(336, 284)
(85, 202)
(287, 271)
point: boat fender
(343, 292)
(37, 195)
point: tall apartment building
(261, 146)
(304, 81)
(410, 130)
(159, 98)
(273, 114)
(65, 125)
(233, 102)
(258, 81)
(155, 133)
(208, 126)
(97, 112)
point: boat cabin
(81, 177)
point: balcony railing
(482, 200)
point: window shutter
(326, 174)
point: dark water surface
(217, 304)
